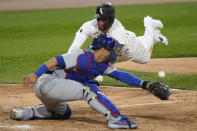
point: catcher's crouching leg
(61, 111)
(98, 101)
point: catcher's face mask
(110, 44)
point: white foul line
(138, 88)
(155, 103)
(18, 126)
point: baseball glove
(160, 90)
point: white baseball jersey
(90, 29)
(134, 49)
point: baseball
(161, 74)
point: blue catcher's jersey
(80, 65)
(87, 68)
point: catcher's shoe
(123, 123)
(21, 114)
(160, 38)
(150, 22)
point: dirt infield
(177, 114)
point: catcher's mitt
(160, 90)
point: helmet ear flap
(112, 57)
(110, 44)
(108, 24)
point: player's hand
(99, 78)
(160, 90)
(30, 79)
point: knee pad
(97, 100)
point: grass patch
(29, 38)
(177, 81)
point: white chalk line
(134, 88)
(18, 126)
(154, 103)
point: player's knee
(89, 91)
(64, 116)
(142, 58)
(145, 60)
(89, 95)
(142, 61)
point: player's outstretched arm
(80, 37)
(126, 78)
(78, 42)
(159, 89)
(32, 78)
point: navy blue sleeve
(60, 61)
(126, 77)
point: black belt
(49, 72)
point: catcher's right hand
(30, 79)
(160, 90)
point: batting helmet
(106, 11)
(110, 44)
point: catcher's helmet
(110, 44)
(105, 11)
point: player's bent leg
(136, 53)
(150, 22)
(29, 113)
(59, 110)
(98, 101)
(134, 49)
(158, 37)
(152, 27)
(41, 112)
(59, 90)
(53, 93)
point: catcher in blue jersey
(70, 77)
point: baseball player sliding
(137, 49)
(70, 77)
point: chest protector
(87, 68)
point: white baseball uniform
(137, 49)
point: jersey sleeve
(81, 36)
(126, 77)
(70, 59)
(109, 70)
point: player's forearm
(126, 78)
(46, 67)
(78, 42)
(51, 63)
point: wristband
(43, 69)
(144, 84)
